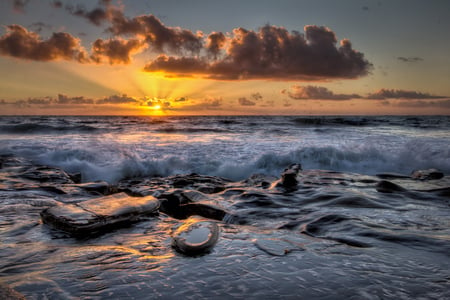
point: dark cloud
(299, 92)
(158, 36)
(257, 96)
(181, 99)
(401, 94)
(366, 8)
(212, 103)
(410, 59)
(19, 5)
(115, 50)
(189, 65)
(163, 104)
(104, 12)
(245, 102)
(20, 43)
(64, 99)
(216, 41)
(40, 101)
(117, 99)
(273, 53)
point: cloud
(64, 99)
(118, 99)
(20, 43)
(299, 92)
(424, 104)
(257, 96)
(216, 41)
(115, 51)
(212, 103)
(19, 5)
(163, 104)
(158, 36)
(245, 102)
(410, 59)
(96, 16)
(181, 99)
(383, 94)
(271, 53)
(39, 101)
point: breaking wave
(118, 164)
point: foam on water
(233, 147)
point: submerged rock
(276, 247)
(99, 214)
(195, 237)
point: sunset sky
(167, 57)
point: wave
(34, 128)
(323, 121)
(190, 130)
(113, 165)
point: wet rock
(205, 210)
(430, 174)
(45, 174)
(392, 176)
(194, 196)
(385, 186)
(195, 237)
(259, 180)
(10, 294)
(76, 177)
(276, 247)
(100, 187)
(289, 176)
(99, 214)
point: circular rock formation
(195, 237)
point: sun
(156, 107)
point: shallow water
(333, 235)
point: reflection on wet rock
(320, 231)
(195, 237)
(99, 213)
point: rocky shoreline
(200, 206)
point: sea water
(335, 236)
(113, 148)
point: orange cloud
(271, 53)
(20, 43)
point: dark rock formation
(430, 174)
(99, 214)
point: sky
(207, 57)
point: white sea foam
(235, 149)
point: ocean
(113, 148)
(337, 235)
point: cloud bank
(271, 52)
(299, 92)
(383, 94)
